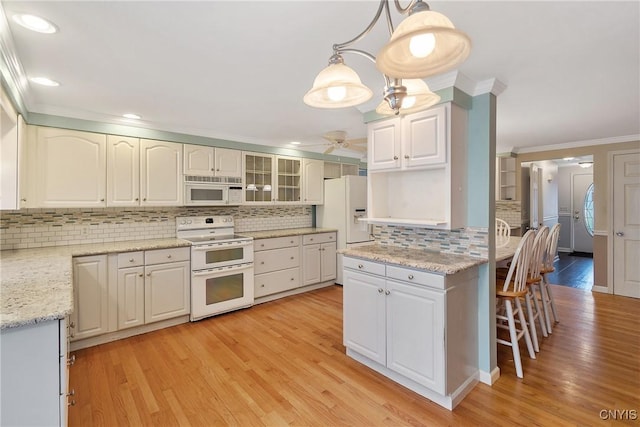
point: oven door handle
(221, 245)
(232, 269)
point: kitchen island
(412, 316)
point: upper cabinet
(336, 170)
(68, 168)
(200, 160)
(258, 178)
(11, 126)
(160, 173)
(417, 169)
(288, 181)
(506, 178)
(123, 171)
(312, 181)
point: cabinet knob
(360, 265)
(137, 199)
(144, 200)
(262, 286)
(395, 157)
(72, 403)
(311, 239)
(148, 274)
(262, 245)
(130, 259)
(406, 156)
(23, 200)
(291, 257)
(72, 392)
(72, 324)
(291, 242)
(261, 262)
(292, 279)
(380, 290)
(71, 360)
(410, 277)
(387, 292)
(102, 200)
(217, 170)
(168, 256)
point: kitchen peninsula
(411, 315)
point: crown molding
(459, 80)
(13, 74)
(578, 144)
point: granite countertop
(268, 234)
(436, 262)
(508, 250)
(36, 284)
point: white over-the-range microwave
(212, 191)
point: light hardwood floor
(283, 363)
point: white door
(198, 160)
(90, 296)
(123, 171)
(626, 224)
(383, 145)
(424, 138)
(329, 261)
(160, 173)
(167, 291)
(582, 213)
(313, 181)
(311, 267)
(130, 297)
(228, 162)
(535, 197)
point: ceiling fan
(338, 139)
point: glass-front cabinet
(258, 178)
(288, 179)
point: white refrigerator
(345, 201)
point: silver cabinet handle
(144, 200)
(102, 200)
(137, 199)
(619, 234)
(131, 259)
(262, 245)
(291, 257)
(406, 156)
(261, 262)
(410, 277)
(168, 256)
(141, 275)
(395, 157)
(23, 200)
(380, 290)
(148, 274)
(387, 292)
(262, 286)
(360, 265)
(292, 279)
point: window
(588, 210)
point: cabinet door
(90, 296)
(228, 162)
(424, 138)
(311, 268)
(198, 160)
(123, 171)
(259, 176)
(160, 173)
(70, 168)
(313, 181)
(328, 261)
(383, 146)
(416, 352)
(8, 154)
(130, 297)
(166, 291)
(288, 179)
(364, 315)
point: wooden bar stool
(509, 291)
(503, 233)
(546, 295)
(534, 282)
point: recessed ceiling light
(35, 23)
(131, 116)
(44, 81)
(295, 143)
(568, 159)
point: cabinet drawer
(362, 265)
(160, 256)
(276, 243)
(276, 259)
(310, 239)
(277, 281)
(418, 277)
(130, 259)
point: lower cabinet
(318, 258)
(34, 380)
(416, 327)
(90, 297)
(166, 291)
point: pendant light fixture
(427, 45)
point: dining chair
(546, 295)
(503, 233)
(534, 284)
(509, 291)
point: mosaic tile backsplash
(32, 228)
(509, 210)
(469, 241)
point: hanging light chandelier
(424, 44)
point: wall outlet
(84, 230)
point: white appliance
(212, 191)
(221, 265)
(345, 201)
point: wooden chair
(534, 283)
(503, 233)
(508, 293)
(546, 295)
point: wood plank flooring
(283, 363)
(574, 271)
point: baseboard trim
(602, 289)
(490, 378)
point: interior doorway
(582, 214)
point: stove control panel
(197, 222)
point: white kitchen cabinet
(130, 296)
(416, 327)
(167, 284)
(506, 178)
(318, 258)
(123, 171)
(34, 375)
(161, 182)
(426, 185)
(9, 151)
(90, 296)
(259, 178)
(288, 179)
(68, 168)
(336, 170)
(312, 181)
(200, 160)
(276, 265)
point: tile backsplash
(468, 241)
(510, 211)
(32, 228)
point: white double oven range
(221, 265)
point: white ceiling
(237, 70)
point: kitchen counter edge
(269, 234)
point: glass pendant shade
(424, 44)
(337, 86)
(418, 97)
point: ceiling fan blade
(358, 148)
(358, 141)
(329, 150)
(335, 135)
